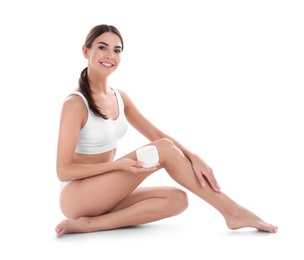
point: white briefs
(63, 184)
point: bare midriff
(94, 158)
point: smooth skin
(105, 192)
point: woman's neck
(98, 84)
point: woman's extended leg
(180, 169)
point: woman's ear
(85, 51)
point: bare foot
(72, 226)
(246, 218)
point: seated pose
(100, 192)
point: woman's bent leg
(144, 205)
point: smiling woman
(103, 192)
(108, 48)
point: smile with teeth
(107, 64)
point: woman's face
(104, 55)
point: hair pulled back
(83, 79)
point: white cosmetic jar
(148, 155)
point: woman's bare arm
(150, 131)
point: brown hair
(83, 80)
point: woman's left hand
(202, 169)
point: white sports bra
(100, 135)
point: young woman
(100, 192)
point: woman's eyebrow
(103, 43)
(108, 45)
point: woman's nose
(110, 55)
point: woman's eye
(102, 48)
(118, 51)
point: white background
(225, 78)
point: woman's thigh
(99, 194)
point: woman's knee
(177, 201)
(164, 143)
(166, 148)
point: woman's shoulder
(122, 94)
(75, 101)
(125, 97)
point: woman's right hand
(133, 166)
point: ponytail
(87, 92)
